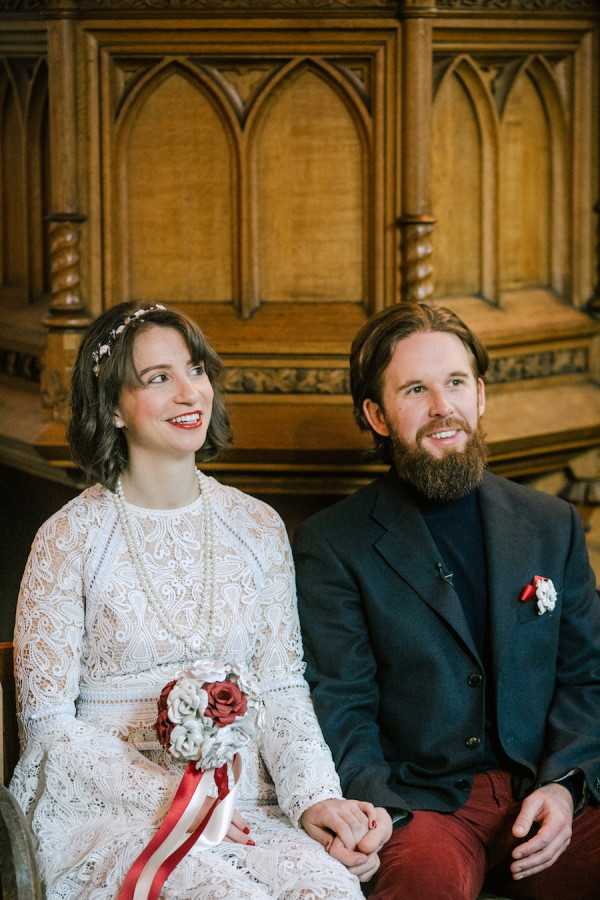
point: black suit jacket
(398, 685)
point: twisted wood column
(64, 262)
(416, 222)
(417, 270)
(66, 318)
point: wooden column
(66, 319)
(593, 304)
(416, 222)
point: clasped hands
(353, 831)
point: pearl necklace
(207, 590)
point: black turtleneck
(457, 530)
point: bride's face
(168, 413)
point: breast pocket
(529, 614)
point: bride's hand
(347, 819)
(364, 868)
(379, 833)
(239, 830)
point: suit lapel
(409, 549)
(506, 543)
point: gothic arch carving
(336, 126)
(201, 262)
(540, 83)
(483, 113)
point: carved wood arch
(332, 75)
(4, 91)
(13, 181)
(38, 177)
(465, 70)
(220, 107)
(147, 81)
(542, 79)
(271, 97)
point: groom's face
(431, 400)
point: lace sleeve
(49, 627)
(291, 744)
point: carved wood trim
(18, 364)
(185, 7)
(570, 6)
(293, 380)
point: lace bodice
(89, 645)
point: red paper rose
(163, 724)
(225, 702)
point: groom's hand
(380, 831)
(345, 822)
(550, 808)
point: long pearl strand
(208, 567)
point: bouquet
(205, 717)
(208, 714)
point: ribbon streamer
(174, 839)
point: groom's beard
(454, 475)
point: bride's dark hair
(96, 444)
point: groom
(452, 631)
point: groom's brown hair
(376, 341)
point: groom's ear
(481, 396)
(375, 416)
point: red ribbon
(185, 791)
(529, 590)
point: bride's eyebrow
(163, 366)
(156, 366)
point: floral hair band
(104, 348)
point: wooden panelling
(279, 176)
(525, 194)
(311, 201)
(457, 191)
(268, 200)
(175, 240)
(24, 183)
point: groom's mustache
(451, 422)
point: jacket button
(463, 784)
(472, 742)
(474, 680)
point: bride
(155, 566)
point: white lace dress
(91, 659)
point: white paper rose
(546, 596)
(207, 671)
(186, 700)
(222, 746)
(188, 738)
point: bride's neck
(165, 487)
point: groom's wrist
(398, 816)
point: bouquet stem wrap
(174, 838)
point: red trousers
(449, 856)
